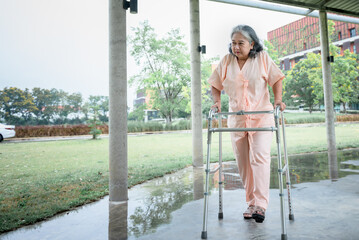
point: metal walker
(281, 169)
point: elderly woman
(244, 74)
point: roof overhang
(344, 7)
(306, 7)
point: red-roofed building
(294, 40)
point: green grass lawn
(305, 117)
(40, 179)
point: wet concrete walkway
(172, 208)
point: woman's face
(241, 46)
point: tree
(272, 52)
(139, 113)
(96, 110)
(94, 122)
(57, 102)
(206, 72)
(46, 104)
(165, 67)
(69, 104)
(16, 106)
(345, 73)
(56, 106)
(41, 101)
(103, 107)
(332, 36)
(302, 81)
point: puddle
(350, 166)
(315, 167)
(151, 205)
(303, 168)
(187, 185)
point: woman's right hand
(217, 105)
(216, 94)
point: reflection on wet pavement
(350, 166)
(315, 167)
(118, 221)
(178, 190)
(157, 208)
(303, 168)
(163, 207)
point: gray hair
(251, 36)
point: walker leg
(220, 212)
(288, 183)
(205, 208)
(280, 177)
(284, 237)
(289, 187)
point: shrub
(137, 126)
(215, 123)
(312, 119)
(55, 130)
(184, 125)
(348, 118)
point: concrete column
(196, 94)
(328, 96)
(118, 103)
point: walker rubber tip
(220, 215)
(284, 237)
(291, 217)
(204, 235)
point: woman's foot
(259, 214)
(248, 213)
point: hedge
(133, 126)
(55, 130)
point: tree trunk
(170, 117)
(344, 107)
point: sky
(63, 44)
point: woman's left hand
(279, 103)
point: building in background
(294, 40)
(143, 96)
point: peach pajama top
(247, 89)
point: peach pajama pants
(252, 153)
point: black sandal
(259, 214)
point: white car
(6, 131)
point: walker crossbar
(271, 129)
(215, 170)
(281, 169)
(244, 112)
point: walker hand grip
(212, 112)
(277, 110)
